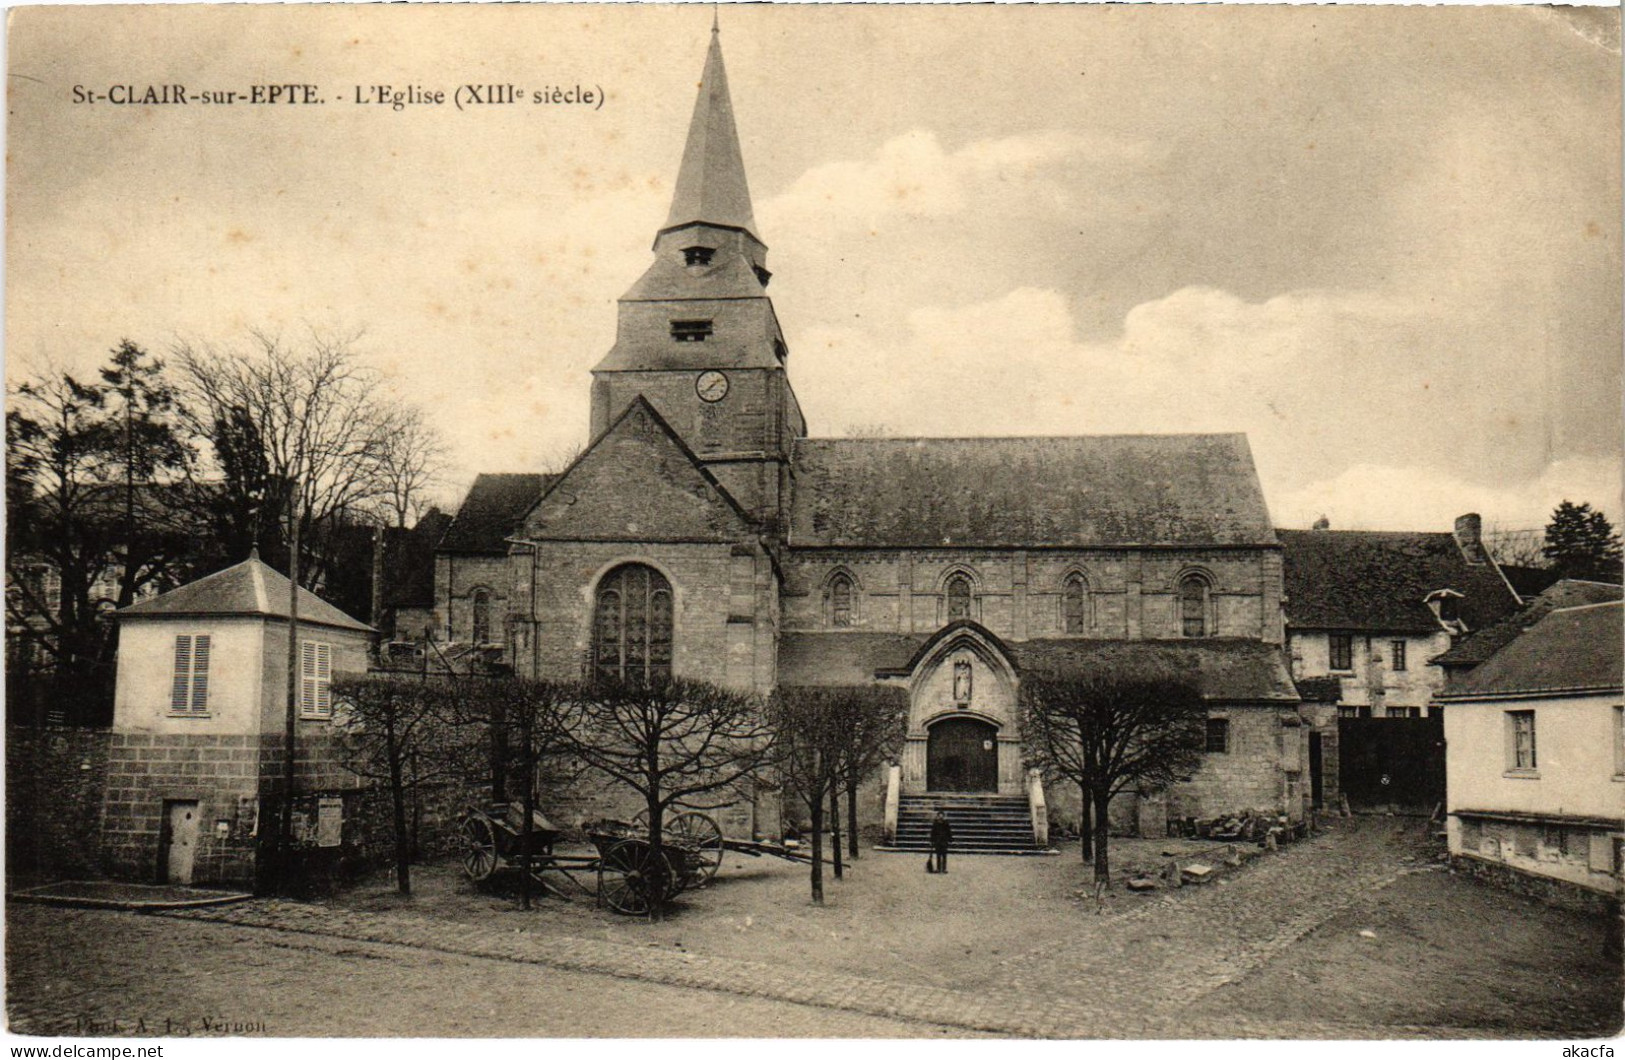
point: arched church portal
(962, 754)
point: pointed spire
(711, 183)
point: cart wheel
(631, 880)
(479, 850)
(700, 838)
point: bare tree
(396, 730)
(411, 461)
(316, 414)
(877, 721)
(1114, 728)
(809, 723)
(675, 743)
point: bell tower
(697, 335)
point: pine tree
(1581, 543)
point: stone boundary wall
(1551, 891)
(55, 781)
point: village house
(1535, 758)
(199, 722)
(1366, 613)
(703, 534)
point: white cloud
(913, 176)
(1374, 496)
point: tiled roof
(1379, 581)
(492, 510)
(1104, 490)
(1529, 582)
(249, 588)
(1569, 650)
(1479, 646)
(1320, 689)
(1227, 670)
(844, 658)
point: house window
(1397, 650)
(690, 330)
(632, 631)
(959, 596)
(1342, 651)
(481, 633)
(315, 679)
(1404, 712)
(189, 688)
(1521, 740)
(1218, 736)
(840, 601)
(1193, 605)
(697, 255)
(1075, 605)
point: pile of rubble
(1246, 836)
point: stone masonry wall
(55, 781)
(219, 772)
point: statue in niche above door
(962, 681)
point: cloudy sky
(1383, 242)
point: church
(703, 534)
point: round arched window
(1193, 605)
(632, 626)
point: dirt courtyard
(1279, 937)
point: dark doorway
(1391, 764)
(1317, 777)
(962, 754)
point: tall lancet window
(632, 630)
(959, 597)
(840, 601)
(1075, 605)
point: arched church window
(1193, 592)
(1075, 605)
(840, 601)
(958, 597)
(632, 627)
(481, 633)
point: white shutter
(307, 677)
(315, 679)
(324, 680)
(178, 689)
(200, 673)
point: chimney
(1469, 537)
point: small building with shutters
(199, 720)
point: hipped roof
(248, 589)
(1572, 650)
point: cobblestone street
(1208, 961)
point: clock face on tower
(711, 386)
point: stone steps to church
(982, 824)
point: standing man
(941, 836)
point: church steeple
(711, 187)
(696, 335)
